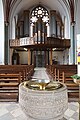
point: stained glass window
(37, 12)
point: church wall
(62, 57)
(58, 56)
(66, 56)
(23, 57)
(78, 18)
(77, 23)
(1, 33)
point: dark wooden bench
(10, 77)
(73, 88)
(9, 87)
(26, 70)
(63, 74)
(13, 71)
(60, 68)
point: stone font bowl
(43, 104)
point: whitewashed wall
(1, 33)
(62, 56)
(58, 56)
(78, 18)
(78, 29)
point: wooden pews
(10, 78)
(73, 88)
(63, 74)
(9, 86)
(26, 70)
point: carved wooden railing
(58, 42)
(21, 41)
(54, 42)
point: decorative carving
(43, 104)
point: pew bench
(63, 73)
(9, 87)
(26, 70)
(73, 88)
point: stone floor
(12, 110)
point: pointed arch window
(39, 12)
(39, 21)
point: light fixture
(25, 49)
(54, 49)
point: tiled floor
(12, 111)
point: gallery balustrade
(55, 42)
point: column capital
(52, 12)
(6, 23)
(58, 23)
(26, 12)
(73, 23)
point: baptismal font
(42, 99)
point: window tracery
(39, 12)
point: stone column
(73, 42)
(29, 56)
(62, 32)
(16, 25)
(6, 44)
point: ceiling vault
(71, 4)
(10, 4)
